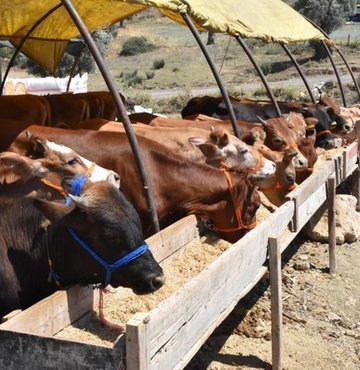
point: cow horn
(289, 117)
(263, 122)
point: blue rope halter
(77, 184)
(110, 268)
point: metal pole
(119, 105)
(336, 73)
(332, 61)
(260, 73)
(349, 69)
(34, 26)
(297, 66)
(212, 66)
(76, 62)
(331, 199)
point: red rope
(107, 324)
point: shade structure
(267, 20)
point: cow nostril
(158, 281)
(290, 178)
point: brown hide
(67, 110)
(26, 108)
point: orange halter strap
(59, 188)
(237, 209)
(277, 185)
(258, 165)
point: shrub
(175, 69)
(158, 63)
(149, 74)
(136, 45)
(266, 67)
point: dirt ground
(321, 317)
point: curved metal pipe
(31, 30)
(222, 88)
(297, 66)
(120, 107)
(349, 69)
(76, 62)
(336, 72)
(260, 73)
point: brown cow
(67, 110)
(25, 108)
(215, 146)
(180, 186)
(250, 110)
(278, 135)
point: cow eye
(244, 151)
(72, 162)
(277, 141)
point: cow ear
(54, 211)
(40, 146)
(210, 151)
(196, 141)
(23, 167)
(225, 139)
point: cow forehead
(58, 148)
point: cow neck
(237, 210)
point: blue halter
(110, 268)
(77, 184)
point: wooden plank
(190, 354)
(54, 313)
(279, 220)
(276, 303)
(137, 355)
(350, 158)
(181, 320)
(311, 205)
(312, 183)
(29, 352)
(170, 240)
(331, 192)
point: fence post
(276, 303)
(331, 193)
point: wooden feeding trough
(169, 335)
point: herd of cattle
(71, 147)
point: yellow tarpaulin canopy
(268, 20)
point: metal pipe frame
(76, 62)
(349, 69)
(297, 66)
(260, 73)
(31, 30)
(332, 62)
(120, 107)
(217, 77)
(336, 72)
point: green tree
(328, 14)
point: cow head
(221, 147)
(104, 220)
(280, 137)
(46, 159)
(232, 214)
(324, 139)
(334, 112)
